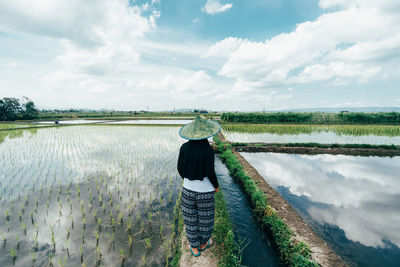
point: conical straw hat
(199, 128)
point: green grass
(356, 130)
(227, 250)
(10, 126)
(175, 252)
(292, 252)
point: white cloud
(337, 70)
(284, 96)
(355, 44)
(213, 7)
(87, 23)
(225, 47)
(387, 5)
(178, 84)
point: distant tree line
(17, 109)
(314, 117)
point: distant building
(344, 111)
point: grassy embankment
(15, 126)
(226, 249)
(292, 252)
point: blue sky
(213, 54)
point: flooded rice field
(314, 137)
(88, 195)
(71, 122)
(352, 202)
(166, 122)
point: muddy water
(258, 251)
(352, 202)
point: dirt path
(320, 150)
(207, 257)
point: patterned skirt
(198, 215)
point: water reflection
(359, 195)
(258, 252)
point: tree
(3, 115)
(30, 110)
(11, 108)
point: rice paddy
(166, 122)
(323, 134)
(88, 196)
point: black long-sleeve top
(196, 161)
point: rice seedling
(99, 256)
(4, 238)
(123, 257)
(23, 226)
(96, 234)
(61, 261)
(33, 257)
(53, 242)
(130, 242)
(36, 240)
(67, 178)
(81, 253)
(18, 241)
(83, 236)
(51, 255)
(7, 215)
(143, 259)
(120, 218)
(13, 255)
(72, 222)
(147, 242)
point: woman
(196, 167)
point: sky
(244, 55)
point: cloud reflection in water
(362, 193)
